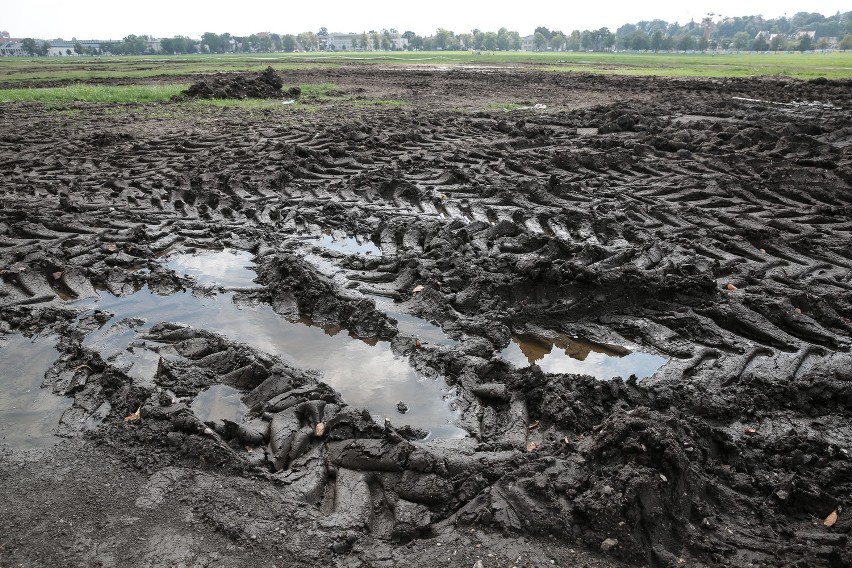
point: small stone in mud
(401, 407)
(609, 544)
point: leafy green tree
(741, 41)
(489, 41)
(573, 41)
(686, 43)
(78, 48)
(309, 41)
(557, 42)
(539, 41)
(587, 41)
(703, 44)
(503, 40)
(543, 31)
(288, 43)
(605, 39)
(44, 49)
(637, 40)
(759, 43)
(515, 41)
(443, 39)
(805, 43)
(657, 40)
(30, 47)
(415, 42)
(846, 42)
(212, 41)
(777, 43)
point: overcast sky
(114, 19)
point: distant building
(528, 43)
(60, 48)
(342, 42)
(4, 35)
(11, 49)
(351, 42)
(399, 42)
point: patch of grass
(94, 93)
(19, 69)
(379, 102)
(746, 64)
(320, 92)
(496, 105)
(158, 93)
(832, 65)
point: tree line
(738, 33)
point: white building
(352, 42)
(342, 42)
(11, 49)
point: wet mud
(265, 85)
(613, 331)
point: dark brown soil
(707, 221)
(265, 85)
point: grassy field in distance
(832, 65)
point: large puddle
(427, 332)
(367, 374)
(564, 354)
(219, 402)
(29, 414)
(348, 245)
(229, 268)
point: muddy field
(526, 319)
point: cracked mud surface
(706, 225)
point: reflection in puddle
(564, 354)
(702, 117)
(229, 268)
(219, 402)
(407, 324)
(367, 376)
(349, 245)
(29, 414)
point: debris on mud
(265, 85)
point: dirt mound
(265, 85)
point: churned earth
(515, 318)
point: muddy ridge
(610, 330)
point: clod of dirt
(265, 85)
